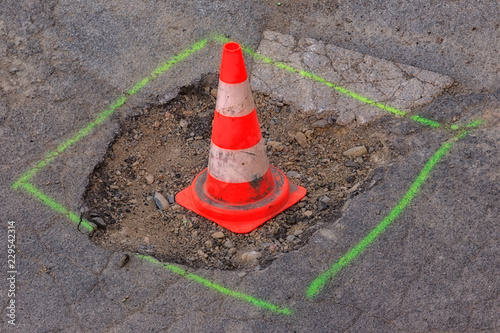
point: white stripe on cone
(238, 166)
(234, 99)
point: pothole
(165, 147)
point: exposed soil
(162, 150)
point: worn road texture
(436, 268)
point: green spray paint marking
(280, 65)
(319, 283)
(168, 64)
(475, 123)
(101, 117)
(31, 189)
(71, 141)
(217, 287)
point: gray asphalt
(436, 269)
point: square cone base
(241, 218)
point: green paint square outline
(319, 283)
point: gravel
(160, 152)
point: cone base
(241, 218)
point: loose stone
(356, 151)
(160, 201)
(218, 235)
(123, 260)
(150, 179)
(301, 139)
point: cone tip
(232, 66)
(232, 47)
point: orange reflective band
(239, 193)
(236, 132)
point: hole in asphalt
(164, 147)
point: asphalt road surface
(436, 266)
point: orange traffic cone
(239, 190)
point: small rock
(228, 244)
(322, 123)
(171, 199)
(160, 201)
(322, 205)
(325, 199)
(232, 251)
(213, 92)
(150, 179)
(183, 123)
(290, 238)
(307, 213)
(351, 179)
(114, 187)
(209, 244)
(356, 151)
(352, 164)
(99, 221)
(218, 235)
(250, 257)
(123, 260)
(293, 174)
(202, 254)
(13, 70)
(298, 232)
(273, 247)
(301, 139)
(276, 145)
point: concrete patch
(398, 85)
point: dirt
(164, 147)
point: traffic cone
(238, 190)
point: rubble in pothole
(160, 151)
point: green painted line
(475, 123)
(31, 189)
(221, 289)
(51, 155)
(425, 121)
(320, 282)
(183, 55)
